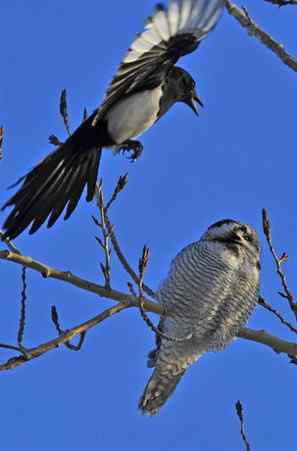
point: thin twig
(71, 346)
(278, 262)
(122, 183)
(281, 3)
(131, 289)
(61, 340)
(242, 16)
(11, 347)
(239, 411)
(124, 262)
(54, 140)
(78, 346)
(55, 319)
(10, 244)
(104, 243)
(267, 306)
(85, 115)
(64, 110)
(22, 322)
(1, 141)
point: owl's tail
(159, 388)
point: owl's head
(235, 234)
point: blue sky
(237, 158)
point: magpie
(144, 88)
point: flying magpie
(145, 86)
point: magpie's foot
(132, 146)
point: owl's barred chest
(208, 286)
(210, 294)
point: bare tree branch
(61, 332)
(22, 322)
(85, 115)
(11, 347)
(276, 313)
(1, 142)
(276, 344)
(66, 276)
(64, 110)
(279, 261)
(123, 259)
(125, 300)
(63, 107)
(11, 246)
(243, 17)
(281, 3)
(104, 243)
(122, 183)
(239, 411)
(62, 339)
(54, 140)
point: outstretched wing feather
(161, 44)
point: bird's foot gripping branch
(135, 147)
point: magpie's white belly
(132, 116)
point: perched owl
(211, 289)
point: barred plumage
(211, 290)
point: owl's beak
(193, 100)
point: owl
(210, 291)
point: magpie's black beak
(192, 100)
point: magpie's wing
(168, 35)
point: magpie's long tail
(57, 181)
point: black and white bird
(211, 289)
(145, 86)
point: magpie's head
(185, 88)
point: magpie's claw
(132, 146)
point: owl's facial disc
(233, 232)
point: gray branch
(124, 301)
(243, 17)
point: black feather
(77, 191)
(63, 197)
(57, 181)
(92, 179)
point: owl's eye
(245, 234)
(247, 237)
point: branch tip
(64, 110)
(1, 141)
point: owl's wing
(168, 35)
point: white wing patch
(185, 15)
(160, 23)
(196, 17)
(173, 17)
